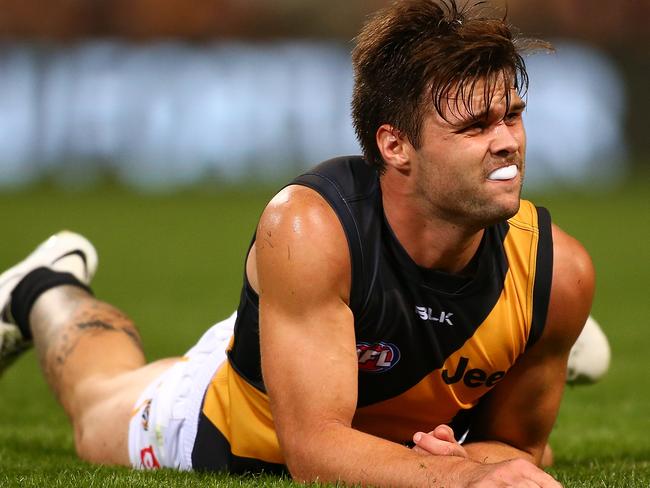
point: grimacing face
(469, 168)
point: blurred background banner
(171, 93)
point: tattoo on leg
(99, 324)
(96, 324)
(67, 344)
(68, 318)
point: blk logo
(377, 357)
(472, 378)
(427, 314)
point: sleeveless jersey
(429, 344)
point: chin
(508, 205)
(500, 213)
(512, 209)
(502, 202)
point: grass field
(174, 263)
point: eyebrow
(516, 106)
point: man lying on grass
(393, 303)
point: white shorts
(163, 426)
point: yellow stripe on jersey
(243, 415)
(521, 249)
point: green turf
(174, 263)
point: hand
(439, 442)
(513, 473)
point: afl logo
(378, 357)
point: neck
(432, 241)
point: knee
(99, 441)
(86, 441)
(87, 433)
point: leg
(92, 358)
(90, 352)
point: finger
(419, 450)
(444, 433)
(438, 447)
(530, 484)
(545, 480)
(534, 474)
(516, 472)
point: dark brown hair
(419, 53)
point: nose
(506, 139)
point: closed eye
(515, 113)
(512, 117)
(473, 128)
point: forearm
(339, 453)
(489, 452)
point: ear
(394, 147)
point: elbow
(296, 453)
(301, 464)
(308, 455)
(304, 457)
(297, 464)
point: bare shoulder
(573, 270)
(572, 289)
(297, 205)
(299, 236)
(573, 264)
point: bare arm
(517, 418)
(309, 362)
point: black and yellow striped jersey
(429, 344)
